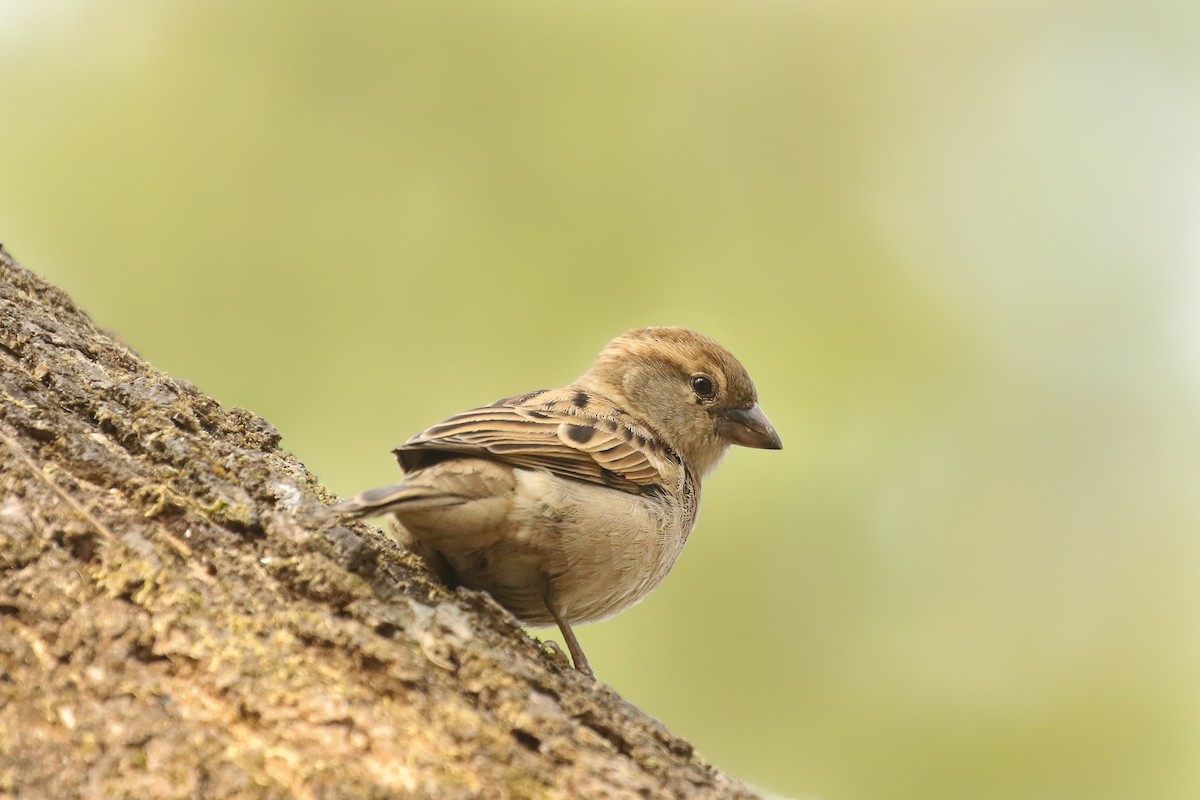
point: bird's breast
(598, 550)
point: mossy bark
(176, 622)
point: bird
(570, 505)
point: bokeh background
(957, 245)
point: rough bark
(176, 622)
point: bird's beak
(748, 427)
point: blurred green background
(957, 245)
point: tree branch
(175, 623)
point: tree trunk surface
(176, 622)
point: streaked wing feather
(560, 440)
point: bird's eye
(703, 386)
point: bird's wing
(597, 443)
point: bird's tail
(387, 499)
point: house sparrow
(569, 505)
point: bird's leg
(577, 656)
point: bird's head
(685, 387)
